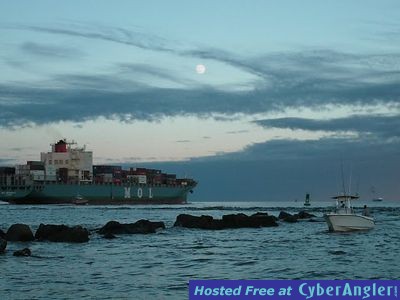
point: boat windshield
(343, 204)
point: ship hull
(97, 194)
(42, 201)
(348, 222)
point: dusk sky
(257, 100)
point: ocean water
(159, 266)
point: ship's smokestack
(60, 146)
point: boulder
(259, 214)
(253, 221)
(290, 219)
(236, 220)
(19, 233)
(3, 245)
(62, 233)
(23, 252)
(228, 221)
(304, 215)
(202, 222)
(109, 236)
(286, 217)
(141, 226)
(283, 215)
(293, 218)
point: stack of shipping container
(115, 174)
(102, 174)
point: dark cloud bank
(375, 125)
(287, 170)
(21, 105)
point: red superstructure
(60, 146)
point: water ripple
(159, 266)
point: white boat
(79, 200)
(344, 218)
(374, 197)
(379, 199)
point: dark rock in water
(258, 214)
(236, 221)
(2, 234)
(283, 215)
(293, 218)
(109, 236)
(290, 219)
(202, 222)
(228, 221)
(254, 221)
(23, 252)
(304, 215)
(112, 227)
(141, 226)
(19, 233)
(62, 233)
(3, 245)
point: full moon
(200, 69)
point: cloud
(89, 97)
(77, 83)
(146, 70)
(314, 79)
(237, 131)
(275, 67)
(42, 105)
(287, 169)
(183, 141)
(16, 149)
(50, 51)
(145, 41)
(6, 161)
(110, 34)
(382, 126)
(332, 149)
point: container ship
(66, 175)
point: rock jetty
(228, 221)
